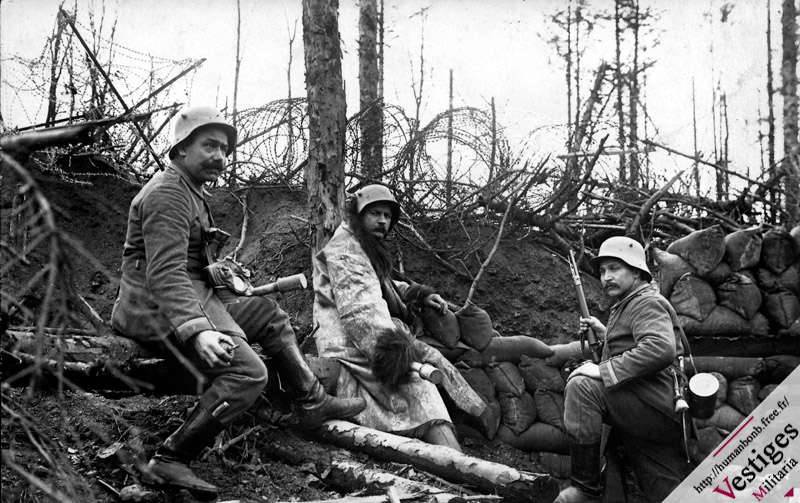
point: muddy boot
(442, 434)
(312, 405)
(170, 465)
(585, 475)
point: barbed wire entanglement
(69, 82)
(272, 143)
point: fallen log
(486, 476)
(100, 362)
(339, 469)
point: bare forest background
(109, 108)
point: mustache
(220, 165)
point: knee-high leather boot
(442, 434)
(585, 475)
(170, 465)
(313, 406)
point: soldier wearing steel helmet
(631, 389)
(165, 301)
(366, 323)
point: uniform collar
(199, 190)
(631, 295)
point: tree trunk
(791, 148)
(326, 119)
(371, 103)
(772, 169)
(634, 167)
(622, 172)
(444, 462)
(237, 68)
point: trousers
(652, 441)
(231, 390)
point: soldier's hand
(212, 346)
(594, 323)
(436, 302)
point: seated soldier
(364, 318)
(165, 301)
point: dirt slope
(526, 290)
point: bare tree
(238, 65)
(56, 67)
(327, 118)
(369, 79)
(791, 149)
(771, 167)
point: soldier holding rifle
(366, 319)
(631, 387)
(165, 300)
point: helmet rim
(377, 193)
(190, 119)
(625, 249)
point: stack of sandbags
(456, 332)
(525, 398)
(467, 336)
(744, 384)
(744, 283)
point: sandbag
(442, 327)
(781, 307)
(670, 268)
(725, 417)
(550, 407)
(743, 248)
(766, 390)
(489, 421)
(475, 326)
(707, 441)
(539, 437)
(506, 378)
(740, 294)
(722, 392)
(452, 354)
(732, 367)
(479, 381)
(778, 250)
(719, 274)
(538, 375)
(723, 322)
(563, 352)
(509, 348)
(774, 369)
(743, 394)
(788, 279)
(693, 297)
(703, 249)
(792, 331)
(795, 233)
(518, 413)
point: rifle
(595, 344)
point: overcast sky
(496, 49)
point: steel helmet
(377, 194)
(191, 118)
(625, 249)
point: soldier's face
(617, 277)
(376, 219)
(204, 157)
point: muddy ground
(72, 438)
